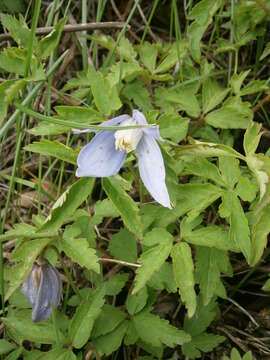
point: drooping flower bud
(43, 289)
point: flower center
(127, 140)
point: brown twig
(74, 28)
(265, 100)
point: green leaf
(26, 253)
(12, 60)
(173, 126)
(108, 320)
(6, 346)
(58, 354)
(252, 137)
(53, 148)
(14, 355)
(123, 246)
(212, 94)
(259, 234)
(148, 54)
(156, 331)
(67, 203)
(234, 114)
(253, 87)
(110, 342)
(237, 80)
(116, 283)
(136, 302)
(203, 342)
(17, 29)
(209, 264)
(20, 230)
(26, 329)
(266, 286)
(50, 42)
(230, 170)
(124, 204)
(239, 230)
(137, 92)
(203, 168)
(105, 97)
(210, 236)
(105, 208)
(79, 251)
(171, 57)
(152, 259)
(266, 51)
(246, 189)
(125, 49)
(82, 322)
(163, 279)
(203, 317)
(184, 275)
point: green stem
(149, 21)
(84, 40)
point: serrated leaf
(6, 346)
(237, 80)
(184, 275)
(108, 320)
(124, 204)
(163, 279)
(204, 168)
(203, 317)
(137, 92)
(210, 236)
(17, 28)
(234, 114)
(157, 332)
(116, 283)
(253, 87)
(83, 320)
(173, 126)
(239, 230)
(12, 60)
(246, 189)
(105, 208)
(68, 202)
(123, 246)
(151, 260)
(53, 148)
(148, 55)
(230, 170)
(204, 342)
(24, 327)
(57, 354)
(79, 251)
(212, 95)
(48, 43)
(209, 264)
(259, 234)
(110, 342)
(136, 302)
(252, 137)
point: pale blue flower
(43, 289)
(107, 151)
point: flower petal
(139, 117)
(154, 132)
(99, 158)
(115, 121)
(152, 170)
(31, 284)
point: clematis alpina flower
(43, 289)
(107, 151)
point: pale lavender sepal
(115, 121)
(139, 117)
(99, 158)
(154, 132)
(152, 170)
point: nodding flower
(107, 151)
(43, 289)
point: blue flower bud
(43, 289)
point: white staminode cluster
(127, 140)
